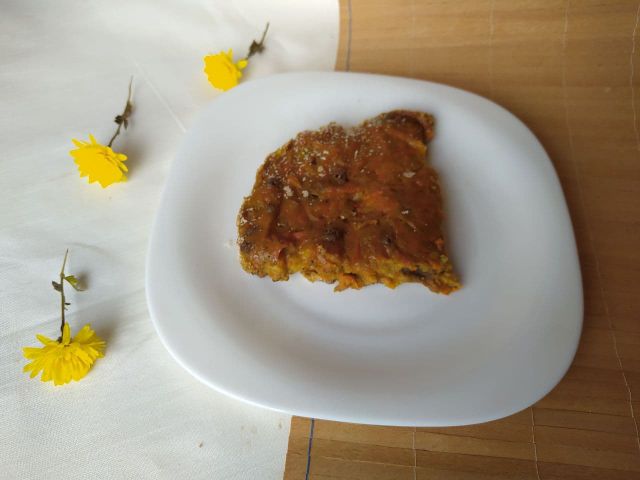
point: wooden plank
(491, 430)
(630, 365)
(353, 470)
(344, 39)
(437, 442)
(609, 362)
(360, 452)
(589, 457)
(295, 466)
(428, 473)
(373, 435)
(614, 442)
(298, 445)
(595, 374)
(592, 389)
(558, 471)
(585, 420)
(633, 381)
(476, 464)
(300, 427)
(628, 338)
(523, 417)
(611, 403)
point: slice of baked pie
(353, 206)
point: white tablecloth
(64, 70)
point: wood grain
(571, 71)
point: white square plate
(380, 356)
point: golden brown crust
(353, 206)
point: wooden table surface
(571, 71)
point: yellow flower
(222, 72)
(65, 359)
(99, 162)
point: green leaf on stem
(74, 282)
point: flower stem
(123, 117)
(62, 299)
(258, 47)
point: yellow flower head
(222, 72)
(65, 359)
(99, 162)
